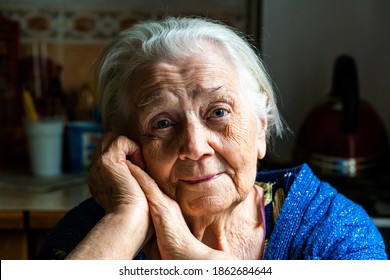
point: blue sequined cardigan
(314, 222)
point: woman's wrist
(133, 225)
(118, 235)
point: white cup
(45, 146)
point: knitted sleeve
(345, 231)
(316, 222)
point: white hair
(175, 39)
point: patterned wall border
(66, 25)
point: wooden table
(30, 207)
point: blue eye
(219, 113)
(163, 124)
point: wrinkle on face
(186, 92)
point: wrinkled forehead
(203, 72)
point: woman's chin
(206, 205)
(207, 197)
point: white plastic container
(45, 146)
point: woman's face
(199, 135)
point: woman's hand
(126, 225)
(110, 181)
(174, 238)
(130, 196)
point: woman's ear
(261, 138)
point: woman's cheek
(240, 139)
(159, 162)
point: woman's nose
(195, 141)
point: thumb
(148, 185)
(159, 203)
(130, 148)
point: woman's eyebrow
(221, 92)
(152, 97)
(213, 89)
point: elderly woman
(189, 109)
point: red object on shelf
(344, 136)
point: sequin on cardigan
(316, 222)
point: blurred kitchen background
(52, 48)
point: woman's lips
(201, 179)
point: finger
(147, 184)
(159, 203)
(106, 140)
(122, 145)
(165, 212)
